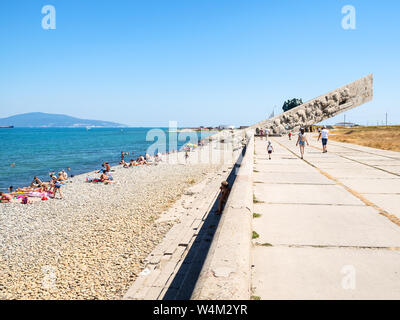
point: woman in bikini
(301, 141)
(56, 186)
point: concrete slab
(320, 232)
(292, 177)
(305, 194)
(357, 172)
(366, 185)
(393, 169)
(324, 225)
(288, 168)
(321, 273)
(388, 202)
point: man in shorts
(324, 137)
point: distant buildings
(224, 126)
(346, 124)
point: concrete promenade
(329, 225)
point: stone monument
(321, 108)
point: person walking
(267, 132)
(186, 156)
(290, 135)
(270, 149)
(324, 137)
(301, 141)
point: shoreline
(83, 153)
(93, 243)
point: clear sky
(200, 62)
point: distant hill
(39, 119)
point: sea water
(29, 152)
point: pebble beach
(92, 243)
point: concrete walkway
(329, 226)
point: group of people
(105, 175)
(37, 188)
(141, 160)
(45, 189)
(263, 132)
(302, 141)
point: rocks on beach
(92, 244)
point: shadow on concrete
(185, 279)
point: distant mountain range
(39, 119)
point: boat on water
(7, 127)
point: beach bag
(24, 200)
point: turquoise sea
(38, 151)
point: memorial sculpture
(321, 108)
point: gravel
(91, 244)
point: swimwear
(302, 143)
(324, 141)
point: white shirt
(324, 134)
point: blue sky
(143, 63)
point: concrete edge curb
(226, 273)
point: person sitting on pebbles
(141, 160)
(223, 195)
(38, 183)
(106, 178)
(5, 197)
(132, 163)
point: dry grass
(381, 137)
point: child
(290, 135)
(186, 156)
(223, 196)
(270, 148)
(56, 186)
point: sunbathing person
(132, 163)
(141, 160)
(5, 197)
(39, 183)
(107, 166)
(64, 174)
(106, 178)
(26, 189)
(36, 182)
